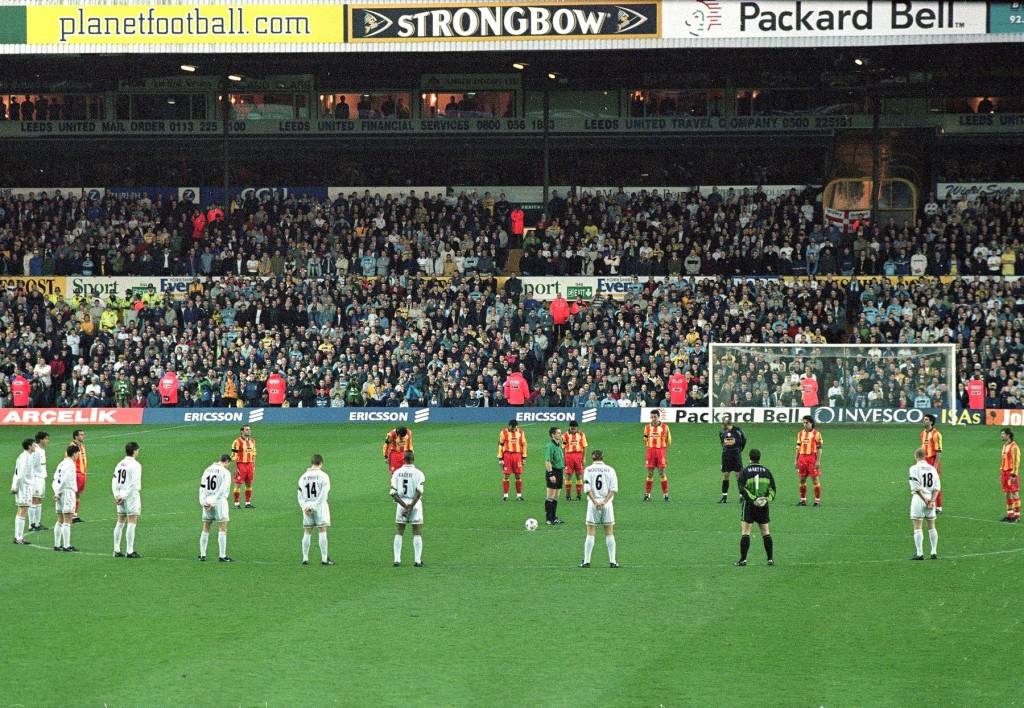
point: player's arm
(387, 445)
(741, 439)
(583, 444)
(668, 437)
(771, 486)
(1015, 461)
(817, 449)
(524, 445)
(235, 448)
(501, 445)
(742, 484)
(938, 445)
(917, 488)
(303, 502)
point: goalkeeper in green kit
(757, 487)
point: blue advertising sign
(241, 416)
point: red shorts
(512, 463)
(244, 472)
(574, 462)
(395, 460)
(656, 458)
(934, 462)
(80, 478)
(1009, 488)
(805, 466)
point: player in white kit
(213, 497)
(23, 487)
(600, 484)
(407, 491)
(35, 512)
(924, 487)
(65, 494)
(314, 486)
(126, 487)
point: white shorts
(24, 493)
(39, 487)
(599, 517)
(66, 502)
(218, 512)
(415, 516)
(131, 506)
(919, 510)
(321, 516)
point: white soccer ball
(531, 524)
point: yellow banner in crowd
(47, 285)
(185, 24)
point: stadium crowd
(338, 299)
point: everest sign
(70, 416)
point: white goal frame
(889, 352)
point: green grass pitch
(501, 616)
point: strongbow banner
(503, 21)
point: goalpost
(848, 376)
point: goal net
(851, 376)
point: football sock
(803, 492)
(504, 487)
(610, 542)
(58, 534)
(35, 514)
(568, 488)
(769, 546)
(306, 540)
(204, 540)
(129, 538)
(398, 549)
(648, 485)
(118, 529)
(933, 539)
(744, 546)
(248, 495)
(547, 510)
(417, 548)
(67, 535)
(222, 543)
(19, 527)
(554, 509)
(725, 487)
(579, 487)
(664, 485)
(588, 548)
(323, 546)
(817, 492)
(919, 542)
(236, 496)
(519, 486)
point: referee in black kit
(733, 441)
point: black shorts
(751, 514)
(558, 475)
(732, 462)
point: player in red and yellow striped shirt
(657, 438)
(396, 444)
(243, 452)
(931, 443)
(511, 453)
(81, 469)
(1009, 473)
(808, 460)
(574, 442)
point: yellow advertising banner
(47, 285)
(185, 24)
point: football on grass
(531, 524)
